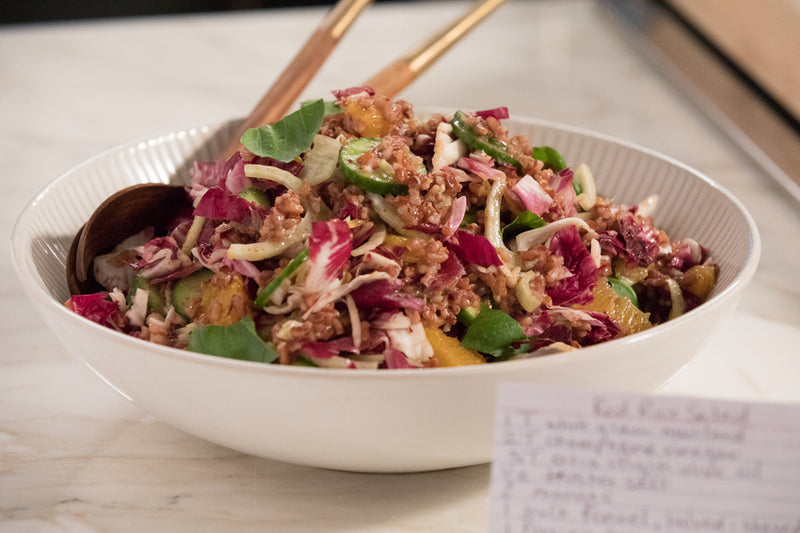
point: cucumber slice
(263, 296)
(468, 314)
(155, 300)
(379, 181)
(256, 196)
(188, 289)
(492, 147)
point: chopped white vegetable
(446, 150)
(588, 196)
(320, 162)
(265, 172)
(527, 239)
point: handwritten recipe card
(568, 461)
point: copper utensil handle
(301, 70)
(397, 76)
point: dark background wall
(22, 11)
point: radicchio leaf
(396, 359)
(328, 349)
(577, 288)
(329, 250)
(641, 240)
(564, 194)
(499, 113)
(209, 174)
(161, 259)
(340, 94)
(97, 308)
(214, 258)
(481, 169)
(569, 325)
(474, 249)
(383, 295)
(219, 204)
(530, 194)
(450, 271)
(687, 253)
(457, 212)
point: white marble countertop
(75, 456)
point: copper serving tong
(149, 204)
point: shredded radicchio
(530, 194)
(474, 249)
(567, 325)
(563, 193)
(396, 359)
(481, 169)
(450, 271)
(328, 349)
(499, 113)
(219, 204)
(97, 308)
(340, 94)
(161, 260)
(383, 295)
(641, 241)
(329, 250)
(457, 213)
(577, 288)
(687, 253)
(214, 258)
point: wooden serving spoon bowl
(121, 215)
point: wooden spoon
(132, 209)
(121, 215)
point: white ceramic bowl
(374, 421)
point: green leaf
(624, 289)
(289, 137)
(236, 341)
(510, 352)
(524, 221)
(550, 157)
(331, 107)
(304, 361)
(492, 332)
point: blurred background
(738, 56)
(53, 10)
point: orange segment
(223, 301)
(448, 351)
(629, 317)
(702, 280)
(373, 121)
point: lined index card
(568, 461)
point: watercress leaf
(524, 221)
(304, 361)
(492, 331)
(511, 351)
(236, 341)
(289, 137)
(331, 107)
(550, 157)
(624, 289)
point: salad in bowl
(353, 234)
